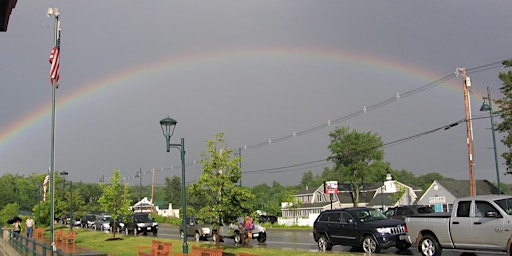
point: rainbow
(16, 128)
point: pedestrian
(241, 228)
(249, 226)
(17, 228)
(29, 224)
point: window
(482, 207)
(463, 209)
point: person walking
(29, 225)
(17, 228)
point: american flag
(55, 61)
(45, 182)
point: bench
(157, 248)
(59, 236)
(202, 251)
(38, 232)
(69, 240)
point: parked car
(102, 222)
(400, 212)
(88, 220)
(267, 218)
(119, 223)
(363, 228)
(198, 228)
(232, 231)
(141, 223)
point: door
(490, 228)
(461, 226)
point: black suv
(400, 212)
(363, 228)
(267, 218)
(141, 223)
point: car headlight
(140, 225)
(383, 230)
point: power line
(357, 113)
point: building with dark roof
(308, 203)
(441, 193)
(6, 7)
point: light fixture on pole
(139, 175)
(168, 124)
(488, 107)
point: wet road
(293, 239)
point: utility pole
(469, 129)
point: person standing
(17, 228)
(29, 224)
(249, 226)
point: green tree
(173, 191)
(8, 211)
(357, 157)
(218, 184)
(113, 200)
(505, 111)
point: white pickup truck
(479, 224)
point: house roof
(460, 188)
(6, 7)
(382, 199)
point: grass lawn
(128, 245)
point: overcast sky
(288, 71)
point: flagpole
(55, 12)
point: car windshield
(142, 218)
(106, 219)
(505, 204)
(367, 215)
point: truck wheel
(324, 244)
(262, 238)
(429, 246)
(237, 238)
(369, 245)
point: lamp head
(64, 173)
(168, 124)
(485, 106)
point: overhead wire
(354, 114)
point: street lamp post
(65, 175)
(488, 107)
(168, 124)
(139, 175)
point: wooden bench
(59, 236)
(157, 248)
(38, 232)
(202, 251)
(69, 240)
